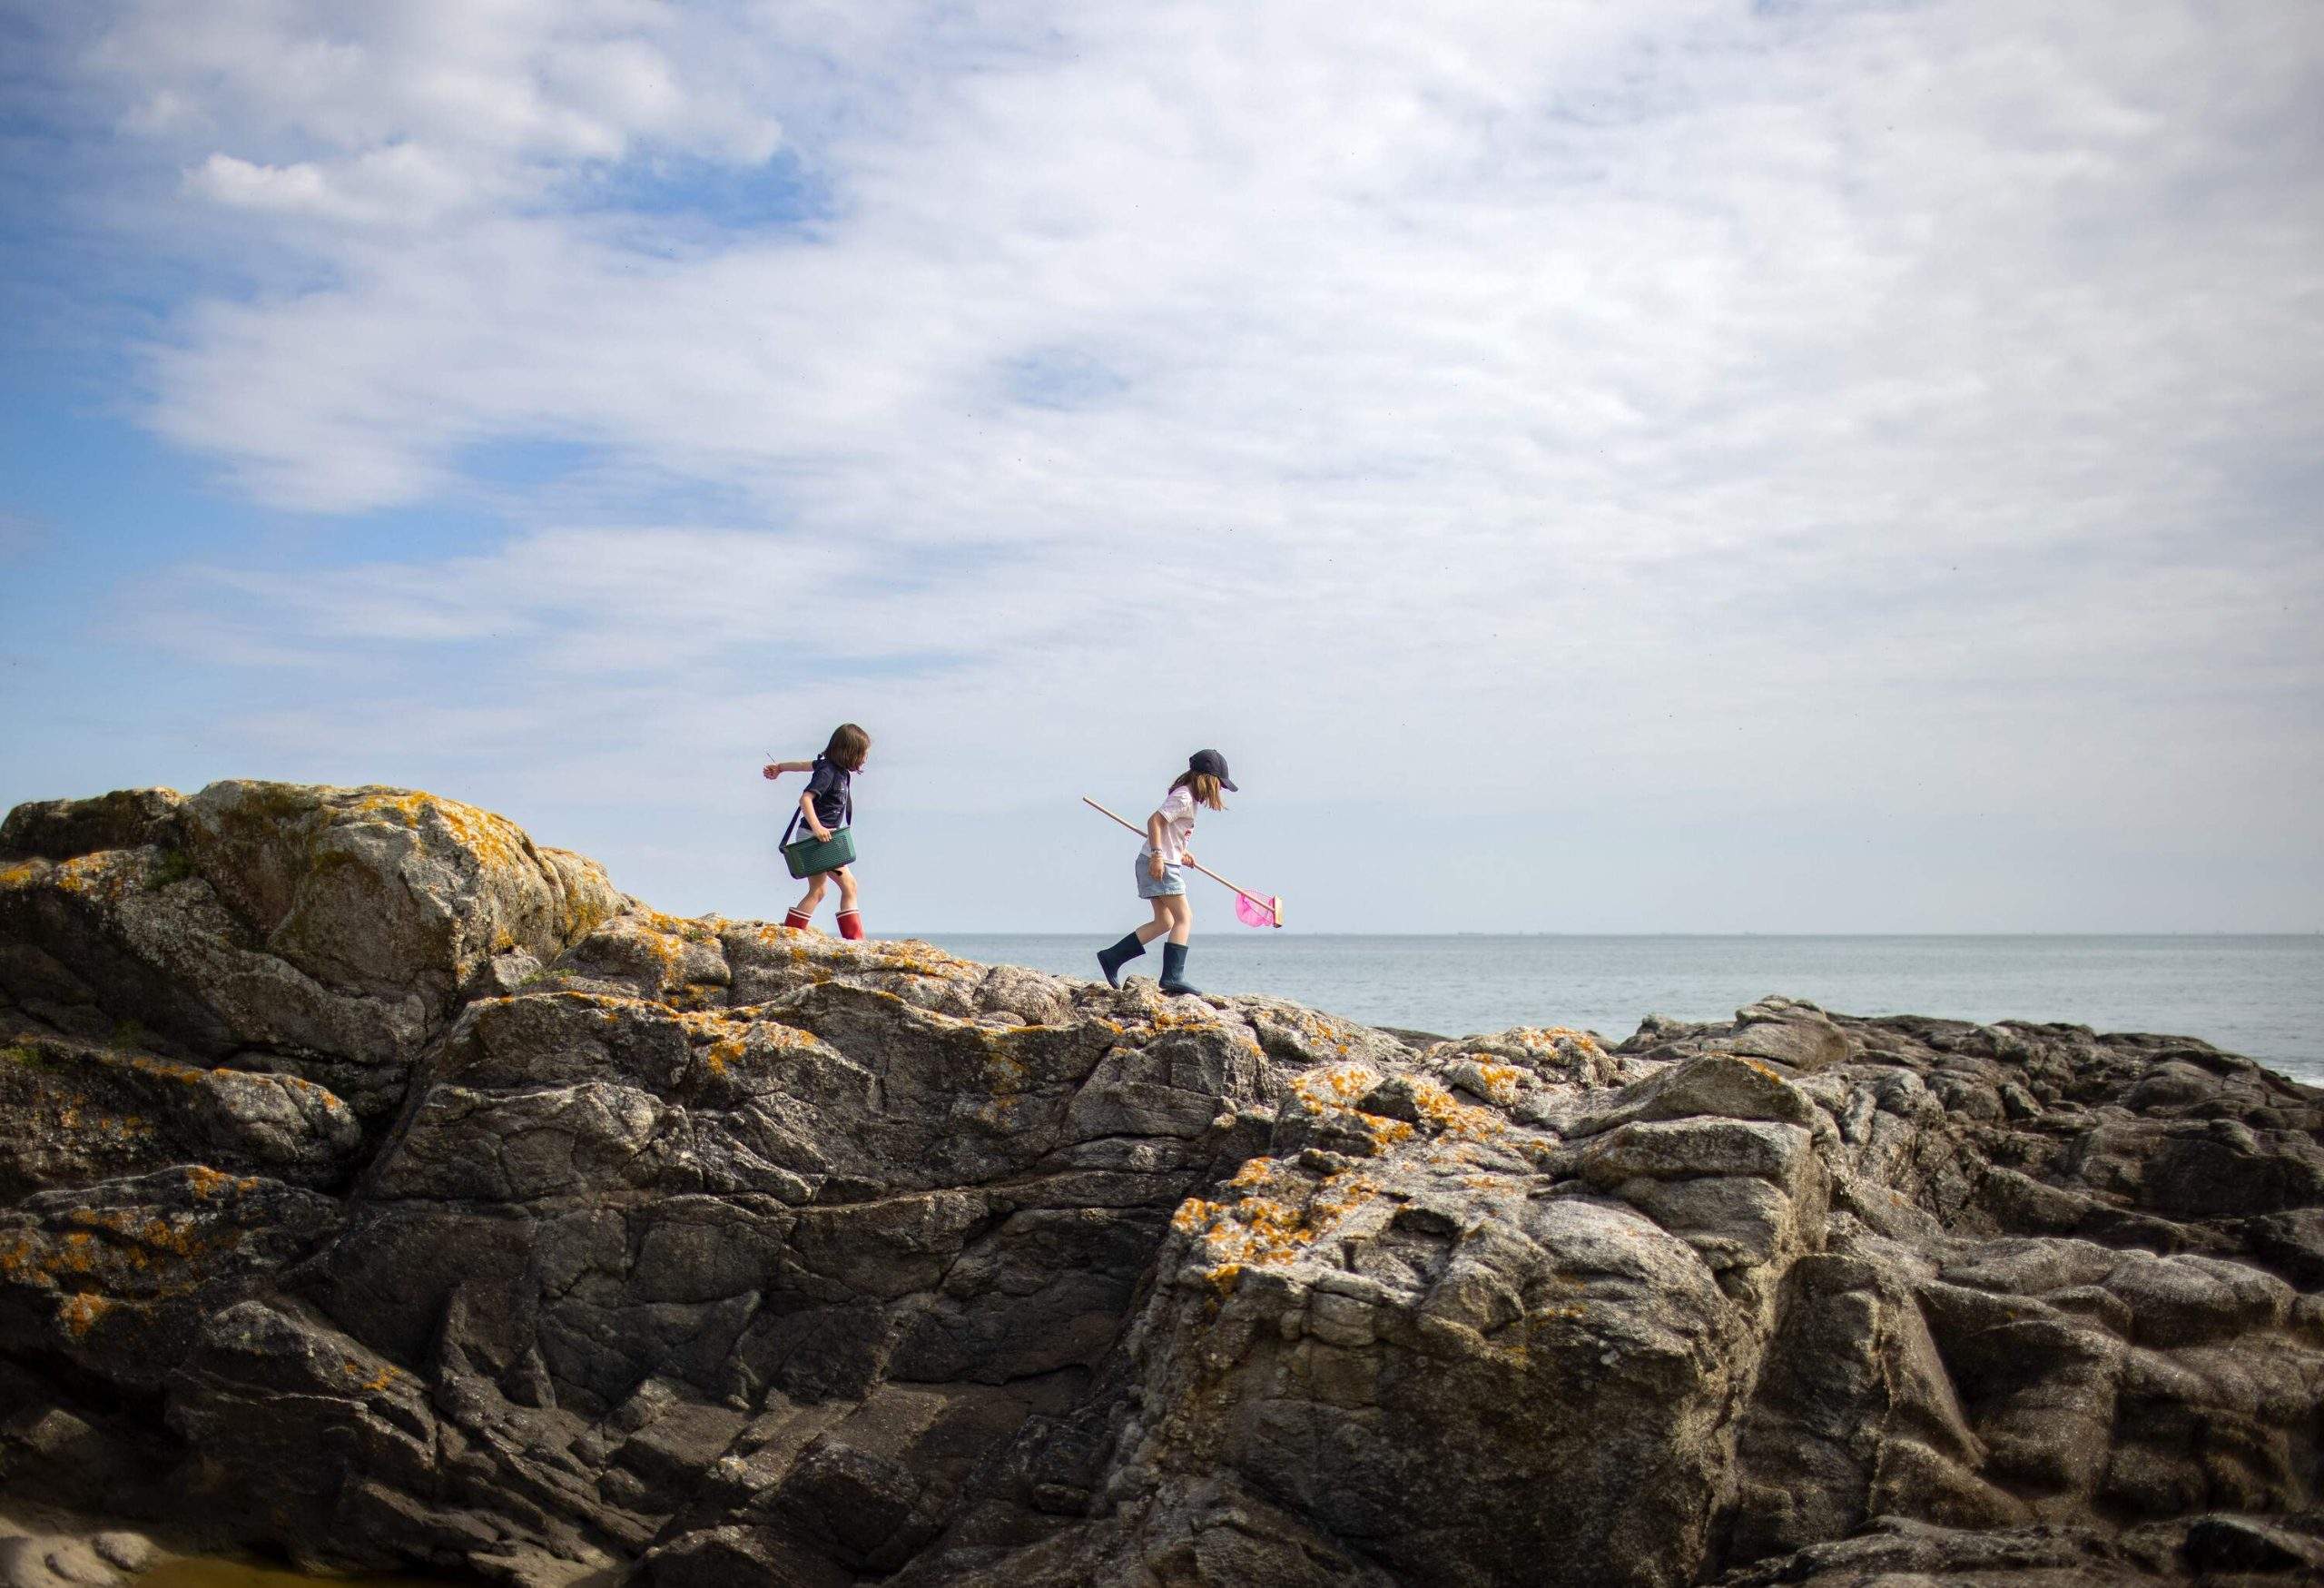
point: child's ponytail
(1205, 788)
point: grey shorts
(1172, 882)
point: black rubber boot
(1111, 961)
(1174, 968)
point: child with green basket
(828, 808)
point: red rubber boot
(796, 920)
(851, 924)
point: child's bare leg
(1155, 928)
(811, 898)
(1182, 917)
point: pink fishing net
(1252, 911)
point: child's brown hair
(1205, 787)
(850, 744)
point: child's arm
(774, 769)
(1154, 827)
(815, 823)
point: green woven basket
(812, 856)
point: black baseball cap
(1212, 762)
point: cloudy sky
(1680, 465)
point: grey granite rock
(386, 1190)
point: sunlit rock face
(384, 1188)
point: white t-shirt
(1177, 813)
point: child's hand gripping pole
(1249, 910)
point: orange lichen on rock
(162, 1070)
(1270, 1215)
(1452, 1116)
(1333, 1090)
(1551, 1036)
(16, 1258)
(371, 1380)
(685, 928)
(494, 840)
(1342, 1082)
(1255, 1171)
(112, 1255)
(1500, 1081)
(79, 1312)
(100, 875)
(723, 1036)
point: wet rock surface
(386, 1191)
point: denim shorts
(1172, 882)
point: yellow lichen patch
(162, 1070)
(495, 841)
(1269, 1231)
(1336, 1086)
(23, 873)
(17, 1261)
(1551, 1036)
(1319, 1030)
(79, 1311)
(371, 1379)
(115, 1250)
(685, 928)
(98, 875)
(1255, 1171)
(1333, 1091)
(1191, 1215)
(1500, 1081)
(1449, 1114)
(724, 1030)
(1167, 1020)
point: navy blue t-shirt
(828, 787)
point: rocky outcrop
(384, 1188)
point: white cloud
(411, 111)
(1680, 405)
(400, 186)
(244, 185)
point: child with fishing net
(1161, 875)
(827, 807)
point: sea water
(2260, 996)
